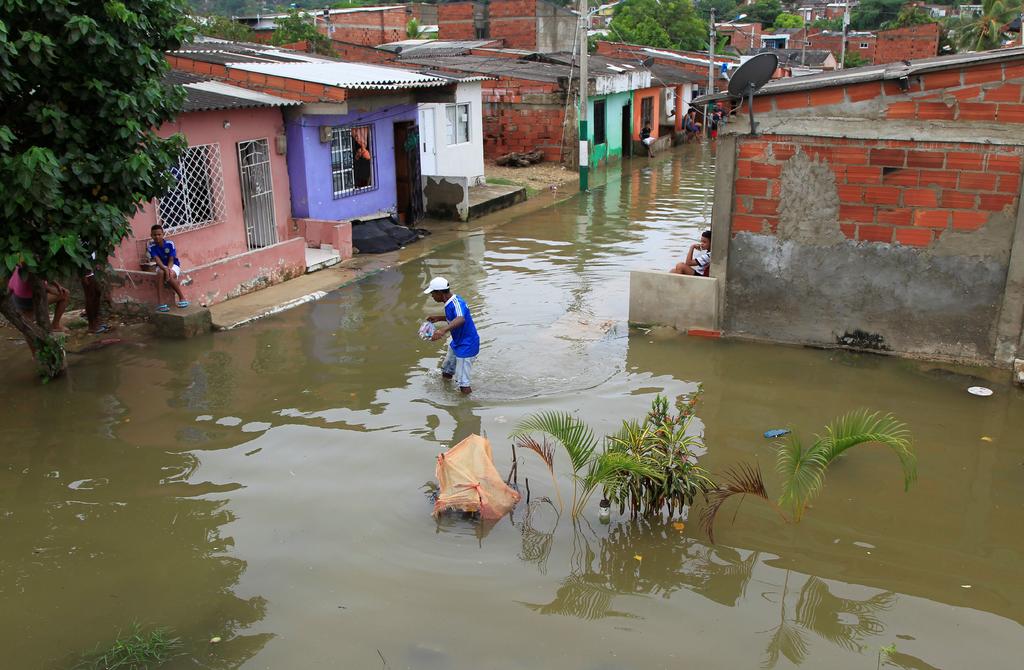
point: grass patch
(134, 650)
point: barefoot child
(168, 268)
(698, 260)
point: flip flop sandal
(100, 329)
(182, 304)
(163, 308)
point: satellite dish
(751, 76)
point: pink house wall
(198, 247)
(206, 246)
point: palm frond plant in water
(645, 467)
(803, 469)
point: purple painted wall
(309, 164)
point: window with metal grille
(647, 112)
(599, 122)
(353, 160)
(458, 123)
(197, 197)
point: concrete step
(318, 259)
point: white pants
(458, 368)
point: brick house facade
(880, 211)
(878, 48)
(535, 25)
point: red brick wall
(514, 21)
(512, 125)
(455, 21)
(985, 92)
(907, 43)
(361, 54)
(907, 193)
(370, 28)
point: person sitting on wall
(168, 268)
(645, 137)
(698, 260)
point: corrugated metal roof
(201, 92)
(498, 67)
(422, 48)
(671, 75)
(345, 75)
(204, 94)
(886, 71)
(790, 57)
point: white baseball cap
(437, 284)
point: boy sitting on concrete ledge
(698, 260)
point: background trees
(985, 31)
(672, 24)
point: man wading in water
(465, 344)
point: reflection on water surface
(263, 485)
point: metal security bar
(353, 161)
(257, 193)
(197, 197)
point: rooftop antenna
(751, 76)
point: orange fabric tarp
(470, 483)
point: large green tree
(871, 14)
(222, 27)
(670, 24)
(300, 27)
(763, 11)
(82, 97)
(787, 20)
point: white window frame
(454, 125)
(196, 200)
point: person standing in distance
(465, 344)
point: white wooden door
(428, 152)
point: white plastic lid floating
(980, 390)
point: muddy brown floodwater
(263, 485)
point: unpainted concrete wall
(875, 244)
(446, 197)
(664, 299)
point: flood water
(263, 485)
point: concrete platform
(182, 323)
(682, 302)
(488, 198)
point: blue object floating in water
(778, 432)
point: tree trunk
(47, 349)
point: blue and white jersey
(465, 340)
(166, 252)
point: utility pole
(584, 88)
(711, 69)
(846, 29)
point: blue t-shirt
(165, 252)
(465, 341)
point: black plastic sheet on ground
(378, 236)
